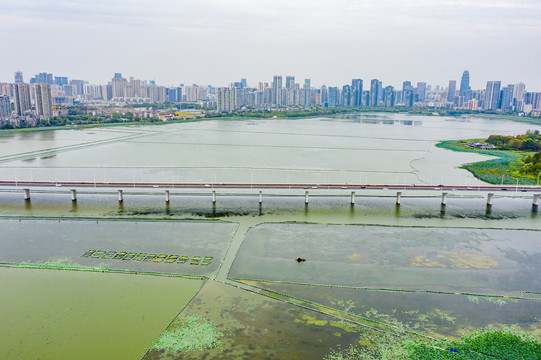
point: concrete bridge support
(73, 194)
(214, 196)
(306, 197)
(398, 197)
(490, 196)
(120, 196)
(535, 199)
(444, 199)
(26, 194)
(353, 198)
(167, 196)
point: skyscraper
(451, 92)
(357, 91)
(389, 96)
(44, 101)
(464, 83)
(18, 76)
(406, 85)
(79, 85)
(346, 96)
(21, 98)
(492, 95)
(420, 91)
(226, 99)
(307, 83)
(61, 80)
(506, 102)
(243, 83)
(119, 86)
(374, 91)
(290, 82)
(334, 96)
(277, 90)
(5, 107)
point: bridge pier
(353, 198)
(167, 196)
(73, 194)
(306, 197)
(398, 197)
(120, 196)
(444, 199)
(535, 199)
(489, 199)
(214, 196)
(26, 194)
(260, 197)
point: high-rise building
(420, 91)
(243, 83)
(506, 102)
(119, 86)
(492, 95)
(375, 85)
(79, 85)
(19, 76)
(518, 91)
(277, 90)
(5, 107)
(464, 83)
(389, 96)
(42, 78)
(357, 91)
(346, 96)
(307, 83)
(406, 85)
(451, 91)
(60, 80)
(226, 99)
(21, 98)
(334, 96)
(117, 76)
(290, 82)
(43, 101)
(324, 97)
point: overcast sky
(220, 41)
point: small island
(518, 158)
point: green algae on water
(194, 333)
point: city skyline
(461, 82)
(212, 42)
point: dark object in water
(299, 259)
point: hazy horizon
(216, 43)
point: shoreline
(497, 171)
(286, 115)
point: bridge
(256, 189)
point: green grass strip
(101, 270)
(384, 289)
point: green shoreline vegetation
(507, 169)
(78, 116)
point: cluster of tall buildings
(37, 100)
(375, 94)
(31, 102)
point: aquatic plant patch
(146, 257)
